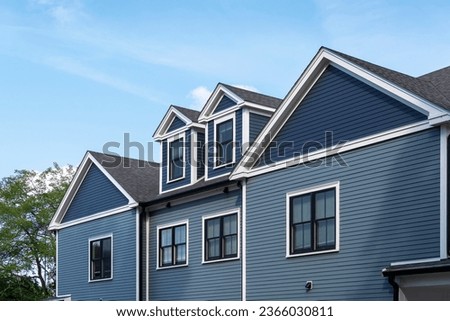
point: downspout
(244, 240)
(395, 286)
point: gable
(342, 106)
(95, 194)
(224, 104)
(177, 123)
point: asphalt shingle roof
(189, 113)
(254, 97)
(429, 87)
(139, 178)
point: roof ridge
(124, 157)
(250, 91)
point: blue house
(336, 192)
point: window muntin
(100, 259)
(176, 159)
(312, 221)
(221, 237)
(224, 143)
(173, 245)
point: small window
(100, 257)
(224, 143)
(221, 237)
(312, 221)
(176, 159)
(173, 245)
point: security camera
(309, 285)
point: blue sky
(77, 74)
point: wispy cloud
(73, 67)
(62, 11)
(199, 95)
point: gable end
(95, 194)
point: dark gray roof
(189, 113)
(139, 178)
(254, 97)
(424, 86)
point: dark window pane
(231, 245)
(167, 255)
(96, 252)
(180, 234)
(224, 144)
(330, 204)
(166, 237)
(213, 228)
(214, 248)
(181, 254)
(176, 162)
(106, 244)
(230, 225)
(301, 209)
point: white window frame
(170, 140)
(236, 211)
(97, 238)
(318, 188)
(164, 226)
(217, 122)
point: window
(172, 245)
(224, 143)
(221, 237)
(176, 159)
(100, 259)
(313, 221)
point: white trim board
(314, 70)
(348, 146)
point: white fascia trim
(312, 73)
(138, 249)
(245, 144)
(192, 161)
(214, 99)
(206, 156)
(260, 108)
(72, 190)
(316, 188)
(217, 176)
(219, 214)
(445, 131)
(167, 120)
(260, 112)
(93, 217)
(387, 87)
(170, 140)
(244, 240)
(147, 259)
(176, 188)
(56, 262)
(172, 224)
(351, 145)
(95, 238)
(131, 201)
(430, 260)
(215, 124)
(181, 130)
(75, 185)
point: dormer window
(224, 133)
(176, 158)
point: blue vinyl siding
(187, 174)
(212, 281)
(257, 123)
(344, 105)
(224, 104)
(389, 212)
(201, 155)
(177, 123)
(96, 194)
(73, 260)
(238, 132)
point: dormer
(232, 117)
(182, 141)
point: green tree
(28, 200)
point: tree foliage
(28, 200)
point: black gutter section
(418, 268)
